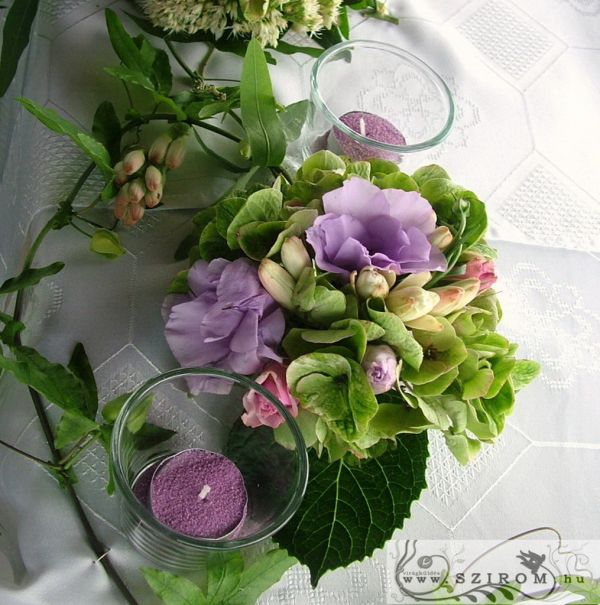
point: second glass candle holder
(371, 100)
(251, 485)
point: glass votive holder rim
(122, 484)
(408, 57)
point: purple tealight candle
(141, 484)
(372, 127)
(199, 493)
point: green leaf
(95, 150)
(212, 245)
(426, 173)
(292, 119)
(329, 305)
(323, 161)
(396, 333)
(71, 428)
(124, 45)
(53, 381)
(111, 410)
(524, 372)
(137, 418)
(337, 390)
(106, 128)
(172, 589)
(350, 510)
(462, 447)
(264, 205)
(259, 115)
(397, 180)
(30, 277)
(80, 367)
(260, 576)
(131, 76)
(290, 49)
(106, 243)
(256, 239)
(161, 68)
(151, 435)
(15, 38)
(224, 575)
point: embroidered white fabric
(526, 139)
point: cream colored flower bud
(456, 296)
(136, 212)
(370, 283)
(176, 153)
(137, 190)
(152, 198)
(416, 279)
(153, 178)
(294, 256)
(411, 302)
(440, 238)
(120, 174)
(277, 282)
(133, 161)
(158, 149)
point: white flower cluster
(265, 20)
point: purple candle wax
(199, 493)
(141, 484)
(372, 127)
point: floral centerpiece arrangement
(360, 296)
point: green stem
(226, 163)
(128, 93)
(82, 231)
(44, 463)
(179, 60)
(74, 454)
(205, 59)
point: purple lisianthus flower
(367, 226)
(228, 321)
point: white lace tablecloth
(526, 79)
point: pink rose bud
(482, 269)
(176, 153)
(153, 178)
(260, 411)
(380, 365)
(137, 190)
(120, 174)
(158, 149)
(133, 161)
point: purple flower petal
(410, 209)
(358, 198)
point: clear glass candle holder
(374, 100)
(274, 476)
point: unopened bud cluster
(141, 176)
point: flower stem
(44, 463)
(179, 60)
(205, 59)
(73, 454)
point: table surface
(526, 79)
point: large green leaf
(524, 372)
(95, 150)
(15, 38)
(55, 382)
(107, 129)
(172, 589)
(80, 367)
(259, 116)
(72, 427)
(350, 510)
(30, 277)
(125, 46)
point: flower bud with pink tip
(176, 153)
(158, 149)
(153, 178)
(133, 161)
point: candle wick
(362, 126)
(204, 492)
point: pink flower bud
(152, 198)
(176, 153)
(120, 174)
(137, 190)
(482, 269)
(260, 411)
(158, 149)
(133, 161)
(136, 212)
(153, 178)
